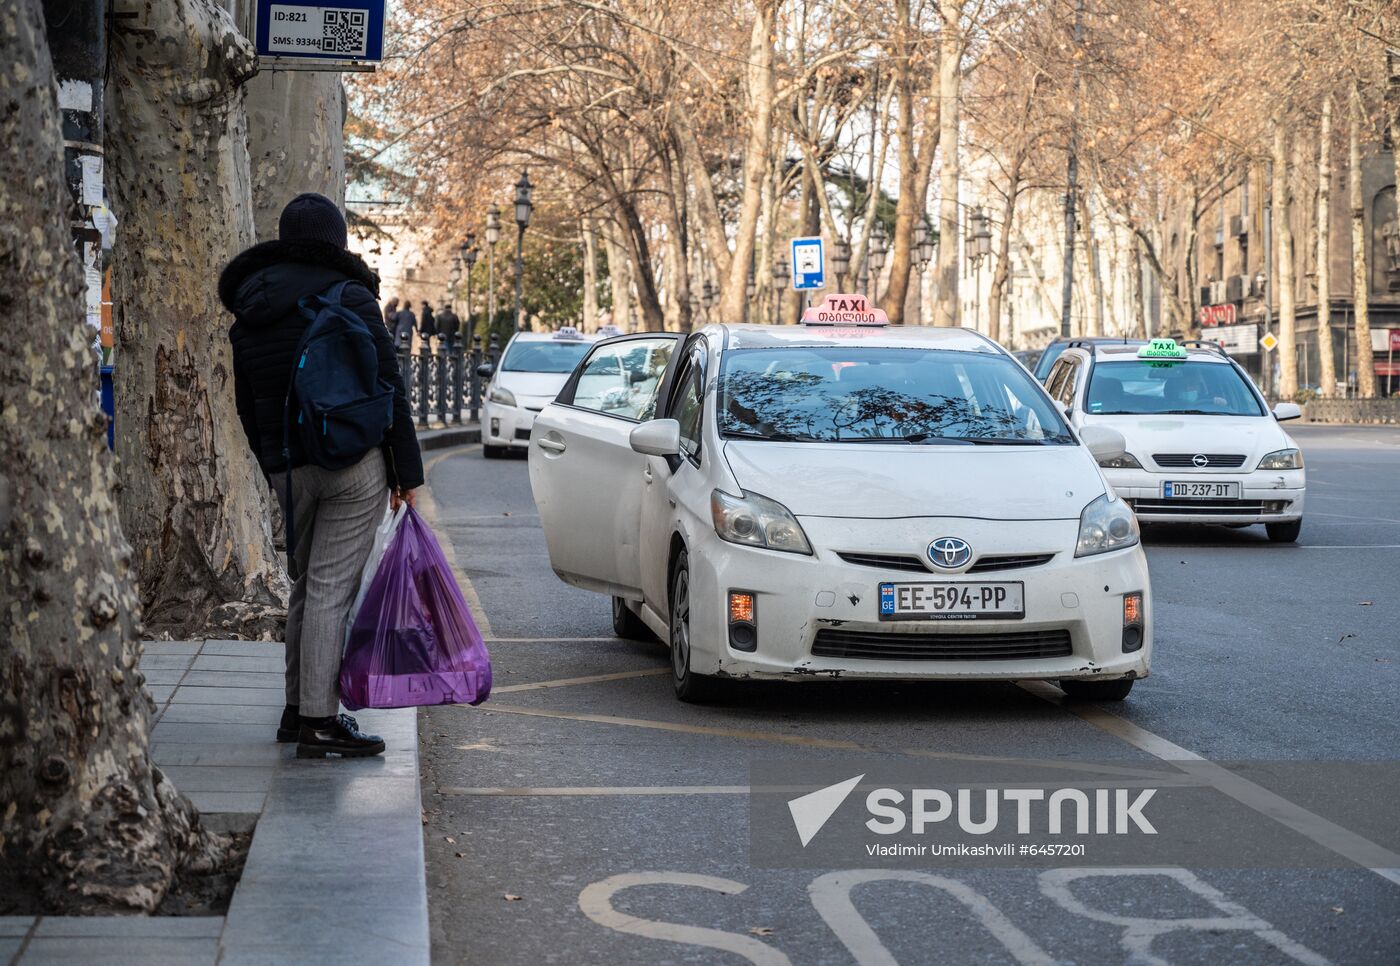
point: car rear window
(1142, 388)
(853, 394)
(559, 356)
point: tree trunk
(1360, 271)
(707, 213)
(1138, 330)
(756, 154)
(946, 310)
(88, 822)
(901, 254)
(192, 500)
(296, 143)
(1283, 228)
(1093, 294)
(589, 237)
(1327, 366)
(1003, 256)
(619, 278)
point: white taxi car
(532, 369)
(843, 501)
(1202, 444)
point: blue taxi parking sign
(329, 30)
(808, 264)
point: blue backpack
(343, 409)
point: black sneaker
(290, 728)
(340, 735)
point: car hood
(537, 387)
(881, 481)
(1252, 436)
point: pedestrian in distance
(447, 324)
(403, 324)
(427, 324)
(333, 472)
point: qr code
(343, 31)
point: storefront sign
(1238, 340)
(1213, 315)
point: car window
(860, 393)
(1151, 387)
(687, 405)
(1064, 389)
(1048, 358)
(532, 356)
(1057, 375)
(621, 378)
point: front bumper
(797, 598)
(507, 426)
(1266, 496)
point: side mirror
(485, 370)
(658, 437)
(1287, 410)
(1103, 443)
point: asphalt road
(583, 815)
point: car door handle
(552, 445)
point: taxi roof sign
(1162, 350)
(838, 309)
(568, 332)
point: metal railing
(442, 380)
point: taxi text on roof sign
(1162, 350)
(845, 310)
(568, 332)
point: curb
(434, 439)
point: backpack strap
(330, 296)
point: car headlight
(1125, 462)
(497, 394)
(1282, 459)
(1106, 524)
(757, 521)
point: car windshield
(560, 356)
(1047, 359)
(853, 394)
(1143, 388)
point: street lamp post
(780, 280)
(979, 247)
(841, 261)
(493, 235)
(468, 254)
(523, 208)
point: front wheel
(493, 452)
(1097, 690)
(1284, 532)
(628, 625)
(690, 687)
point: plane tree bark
(87, 822)
(192, 500)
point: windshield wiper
(770, 437)
(1192, 412)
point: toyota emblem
(1200, 459)
(950, 553)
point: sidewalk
(335, 873)
(438, 436)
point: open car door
(587, 481)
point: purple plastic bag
(414, 641)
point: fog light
(743, 621)
(1132, 622)
(495, 427)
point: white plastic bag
(387, 528)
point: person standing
(403, 324)
(427, 324)
(334, 513)
(447, 323)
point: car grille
(1243, 508)
(1186, 460)
(985, 564)
(887, 646)
(988, 564)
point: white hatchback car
(1202, 444)
(532, 369)
(818, 502)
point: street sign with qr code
(342, 30)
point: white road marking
(587, 679)
(831, 896)
(1329, 835)
(596, 791)
(595, 901)
(1139, 932)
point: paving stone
(220, 778)
(11, 926)
(238, 679)
(8, 948)
(162, 675)
(166, 662)
(160, 693)
(142, 951)
(180, 732)
(242, 803)
(221, 662)
(253, 714)
(173, 647)
(244, 648)
(235, 756)
(167, 927)
(233, 695)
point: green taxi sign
(1162, 351)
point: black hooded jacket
(261, 287)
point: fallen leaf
(1338, 910)
(1365, 603)
(1344, 637)
(761, 931)
(424, 816)
(508, 897)
(450, 840)
(460, 855)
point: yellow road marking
(601, 790)
(427, 506)
(588, 679)
(739, 733)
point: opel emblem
(1200, 460)
(950, 553)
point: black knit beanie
(312, 217)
